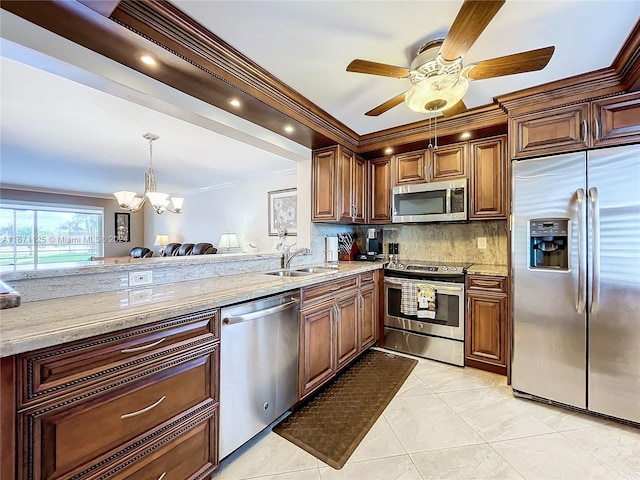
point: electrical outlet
(482, 243)
(140, 278)
(140, 296)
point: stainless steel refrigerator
(576, 280)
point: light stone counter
(497, 270)
(45, 323)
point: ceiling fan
(438, 76)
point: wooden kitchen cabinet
(486, 335)
(339, 186)
(379, 208)
(448, 162)
(108, 405)
(317, 360)
(488, 181)
(336, 325)
(606, 122)
(411, 167)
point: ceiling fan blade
(373, 68)
(455, 110)
(509, 64)
(472, 19)
(388, 105)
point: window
(33, 234)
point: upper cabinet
(606, 122)
(488, 182)
(379, 208)
(339, 186)
(444, 163)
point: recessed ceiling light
(465, 135)
(388, 150)
(288, 129)
(234, 102)
(148, 59)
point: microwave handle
(448, 200)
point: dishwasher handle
(260, 313)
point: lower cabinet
(335, 326)
(136, 404)
(486, 323)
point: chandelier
(161, 202)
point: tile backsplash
(446, 242)
(450, 242)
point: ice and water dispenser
(549, 243)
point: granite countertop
(497, 270)
(46, 323)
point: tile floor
(452, 423)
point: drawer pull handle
(162, 476)
(143, 347)
(367, 279)
(144, 410)
(334, 288)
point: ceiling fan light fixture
(436, 94)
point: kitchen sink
(288, 273)
(315, 269)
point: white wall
(240, 208)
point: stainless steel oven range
(440, 338)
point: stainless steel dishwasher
(258, 366)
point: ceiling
(74, 122)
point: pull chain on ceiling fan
(439, 79)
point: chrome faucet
(288, 255)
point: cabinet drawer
(104, 423)
(57, 370)
(336, 287)
(367, 279)
(188, 456)
(486, 282)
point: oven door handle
(439, 287)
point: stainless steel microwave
(441, 201)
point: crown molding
(201, 64)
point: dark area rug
(332, 424)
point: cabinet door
(488, 179)
(345, 181)
(449, 162)
(558, 130)
(323, 186)
(359, 190)
(368, 317)
(616, 120)
(317, 362)
(380, 191)
(411, 168)
(485, 331)
(347, 329)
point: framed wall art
(283, 212)
(122, 227)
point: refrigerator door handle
(594, 214)
(582, 252)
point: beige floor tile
(561, 419)
(301, 475)
(379, 442)
(452, 379)
(390, 468)
(413, 386)
(267, 454)
(425, 422)
(616, 445)
(553, 457)
(494, 414)
(464, 463)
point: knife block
(348, 257)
